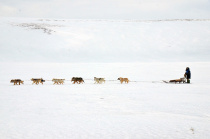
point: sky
(106, 9)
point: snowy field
(55, 41)
(147, 108)
(146, 52)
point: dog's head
(73, 78)
(119, 78)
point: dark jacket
(188, 73)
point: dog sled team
(79, 80)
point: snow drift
(50, 40)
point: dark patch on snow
(35, 26)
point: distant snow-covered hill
(50, 40)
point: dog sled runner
(171, 82)
(165, 81)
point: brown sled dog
(77, 80)
(37, 80)
(123, 80)
(17, 81)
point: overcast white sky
(106, 9)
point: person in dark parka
(187, 74)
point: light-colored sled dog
(58, 81)
(99, 80)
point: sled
(171, 82)
(174, 81)
(181, 80)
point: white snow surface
(146, 52)
(145, 108)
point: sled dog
(123, 80)
(17, 81)
(78, 80)
(99, 80)
(58, 81)
(37, 80)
